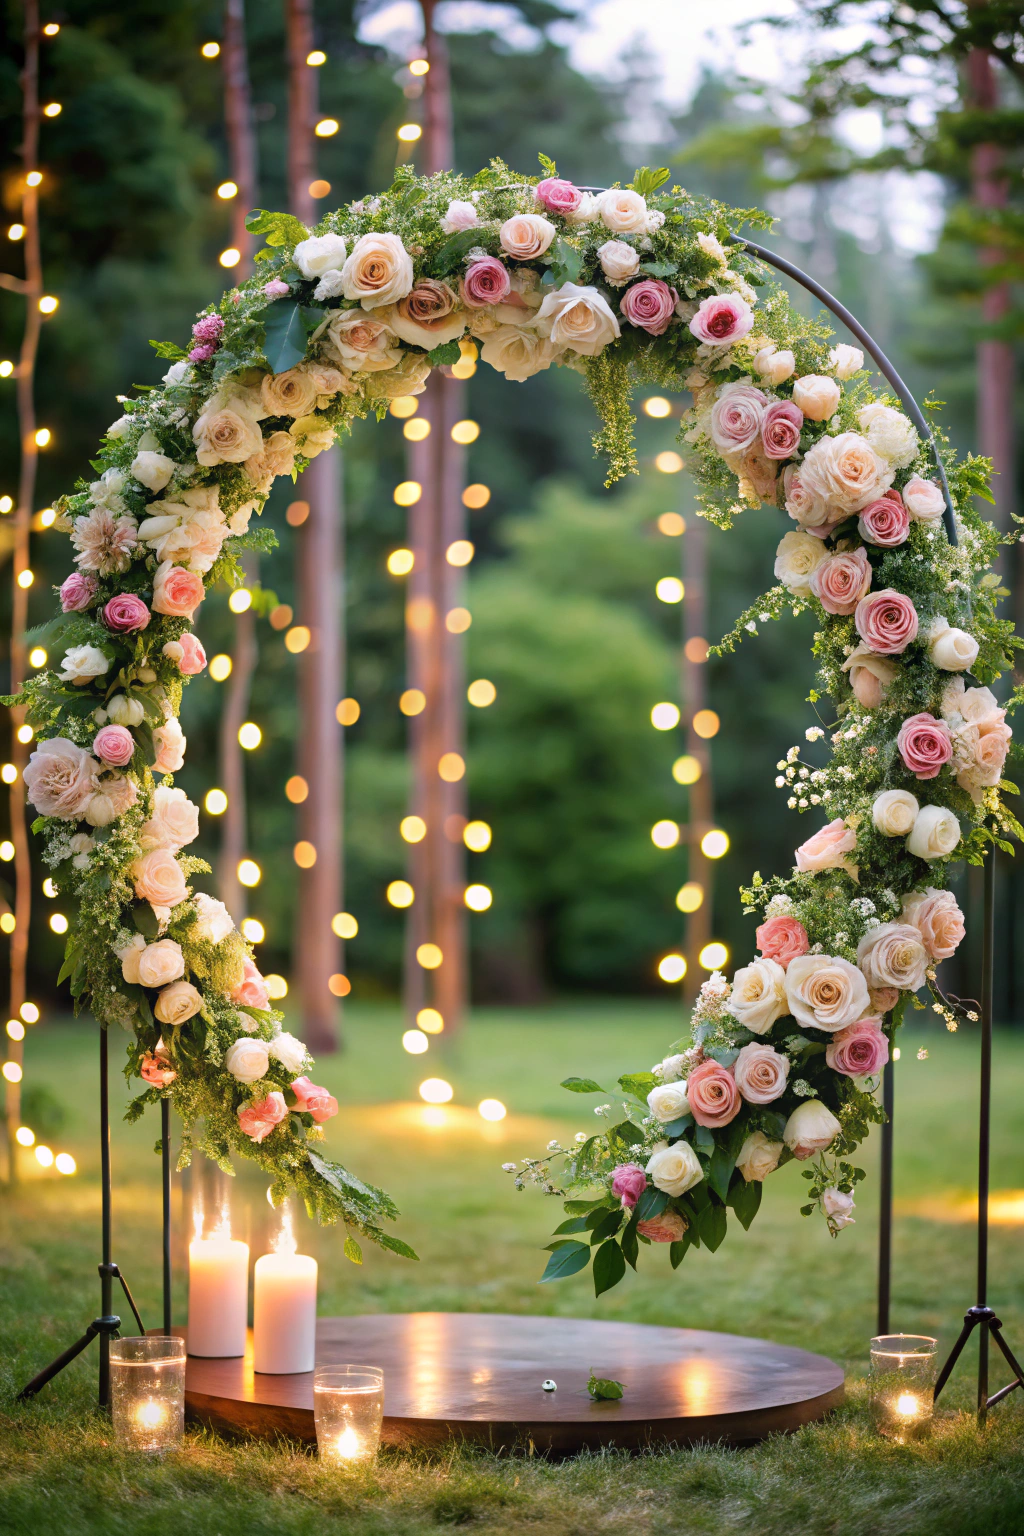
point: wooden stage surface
(477, 1377)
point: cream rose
(173, 820)
(213, 920)
(825, 992)
(292, 393)
(170, 742)
(890, 433)
(949, 649)
(248, 1059)
(758, 1157)
(526, 236)
(758, 995)
(158, 878)
(320, 254)
(153, 470)
(796, 559)
(61, 778)
(810, 1128)
(361, 343)
(668, 1102)
(674, 1169)
(129, 957)
(291, 1053)
(845, 473)
(894, 812)
(622, 211)
(937, 918)
(160, 963)
(578, 318)
(935, 834)
(923, 499)
(870, 675)
(817, 396)
(845, 361)
(114, 796)
(178, 1002)
(773, 365)
(761, 1073)
(517, 353)
(125, 711)
(379, 271)
(619, 261)
(83, 663)
(227, 433)
(893, 955)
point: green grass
(479, 1244)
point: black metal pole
(985, 1119)
(885, 1197)
(165, 1155)
(106, 1273)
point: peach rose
(923, 499)
(177, 1003)
(870, 675)
(156, 1070)
(161, 963)
(526, 236)
(158, 878)
(758, 1157)
(845, 473)
(252, 989)
(259, 1119)
(760, 1073)
(782, 939)
(292, 393)
(378, 271)
(360, 342)
(669, 1227)
(170, 743)
(227, 432)
(827, 849)
(825, 991)
(937, 918)
(712, 1093)
(817, 396)
(893, 955)
(177, 592)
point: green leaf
(285, 343)
(574, 1224)
(626, 1134)
(677, 1251)
(609, 1267)
(704, 1139)
(567, 1260)
(353, 1252)
(277, 228)
(447, 352)
(343, 1181)
(547, 165)
(581, 1085)
(630, 1243)
(651, 1203)
(711, 1225)
(583, 1207)
(639, 1084)
(567, 263)
(645, 181)
(607, 1225)
(724, 1055)
(603, 1389)
(145, 919)
(720, 1172)
(451, 253)
(745, 1200)
(659, 268)
(677, 1127)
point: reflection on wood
(478, 1377)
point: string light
(296, 789)
(419, 67)
(37, 656)
(347, 712)
(65, 1163)
(253, 930)
(29, 1012)
(657, 406)
(405, 405)
(6, 368)
(51, 29)
(714, 844)
(436, 1091)
(476, 496)
(407, 493)
(491, 1109)
(477, 836)
(412, 702)
(227, 189)
(24, 1136)
(319, 188)
(240, 600)
(43, 437)
(281, 616)
(221, 667)
(8, 922)
(47, 517)
(12, 1072)
(410, 132)
(460, 553)
(451, 767)
(52, 109)
(25, 733)
(670, 590)
(457, 621)
(465, 432)
(706, 723)
(668, 463)
(49, 889)
(401, 562)
(665, 834)
(297, 640)
(7, 847)
(429, 956)
(316, 58)
(713, 956)
(671, 525)
(296, 513)
(25, 579)
(400, 893)
(430, 1020)
(249, 736)
(34, 179)
(478, 897)
(44, 1156)
(6, 504)
(689, 897)
(304, 854)
(413, 829)
(16, 1029)
(339, 985)
(672, 968)
(416, 429)
(696, 650)
(344, 925)
(249, 873)
(16, 232)
(415, 1042)
(664, 717)
(230, 257)
(327, 127)
(210, 50)
(48, 304)
(277, 987)
(58, 922)
(481, 692)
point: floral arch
(630, 285)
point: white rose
(213, 920)
(825, 991)
(711, 246)
(935, 834)
(82, 663)
(178, 373)
(173, 821)
(798, 555)
(894, 812)
(129, 958)
(758, 995)
(923, 500)
(890, 433)
(178, 1002)
(578, 318)
(517, 353)
(810, 1128)
(893, 955)
(668, 1102)
(844, 473)
(379, 271)
(817, 396)
(623, 211)
(773, 365)
(845, 361)
(674, 1169)
(586, 212)
(319, 253)
(949, 649)
(152, 470)
(459, 215)
(187, 530)
(247, 1060)
(619, 261)
(838, 1207)
(160, 963)
(758, 1157)
(119, 427)
(125, 711)
(673, 1068)
(291, 1053)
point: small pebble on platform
(549, 1385)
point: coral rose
(170, 743)
(173, 820)
(937, 918)
(155, 1069)
(713, 1095)
(925, 745)
(252, 989)
(760, 1073)
(827, 848)
(859, 1050)
(841, 581)
(259, 1119)
(313, 1100)
(669, 1227)
(193, 658)
(886, 621)
(782, 939)
(177, 592)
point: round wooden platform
(477, 1376)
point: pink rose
(193, 657)
(125, 613)
(486, 282)
(884, 999)
(649, 305)
(760, 1073)
(155, 1069)
(558, 196)
(313, 1100)
(170, 743)
(669, 1227)
(886, 621)
(77, 592)
(115, 744)
(885, 522)
(923, 500)
(177, 592)
(722, 319)
(712, 1093)
(870, 675)
(782, 939)
(628, 1182)
(61, 778)
(827, 849)
(841, 581)
(780, 429)
(276, 288)
(859, 1050)
(925, 745)
(259, 1119)
(736, 417)
(252, 989)
(937, 918)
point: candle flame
(285, 1241)
(150, 1415)
(907, 1405)
(348, 1443)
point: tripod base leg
(99, 1326)
(972, 1320)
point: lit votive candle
(284, 1313)
(902, 1377)
(147, 1392)
(218, 1296)
(348, 1407)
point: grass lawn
(479, 1244)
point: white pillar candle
(284, 1314)
(218, 1296)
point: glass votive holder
(902, 1378)
(348, 1407)
(147, 1392)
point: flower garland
(630, 285)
